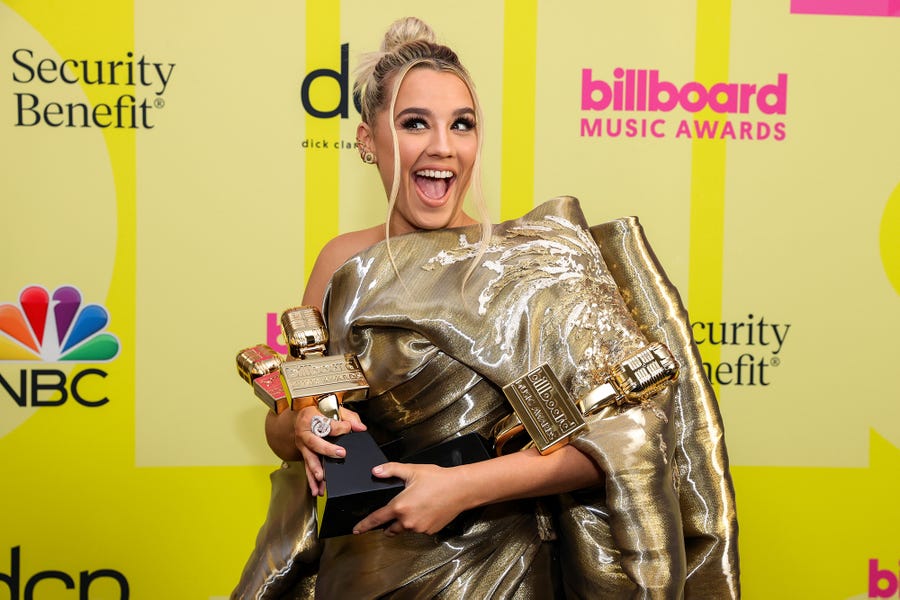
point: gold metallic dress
(437, 351)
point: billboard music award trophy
(312, 378)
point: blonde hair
(410, 43)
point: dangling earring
(365, 154)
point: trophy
(543, 409)
(311, 377)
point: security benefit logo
(54, 328)
(44, 86)
(758, 342)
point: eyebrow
(415, 110)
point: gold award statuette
(633, 380)
(328, 380)
(314, 378)
(260, 366)
(545, 408)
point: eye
(413, 124)
(464, 124)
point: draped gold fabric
(437, 343)
(705, 491)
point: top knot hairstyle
(408, 43)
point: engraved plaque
(320, 375)
(545, 408)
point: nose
(440, 144)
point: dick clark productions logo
(54, 328)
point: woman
(443, 312)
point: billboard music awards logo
(869, 8)
(636, 103)
(37, 77)
(53, 329)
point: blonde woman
(443, 310)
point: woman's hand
(311, 445)
(435, 495)
(432, 499)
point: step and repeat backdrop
(171, 169)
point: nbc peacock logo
(55, 328)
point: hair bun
(406, 30)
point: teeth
(435, 174)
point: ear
(364, 135)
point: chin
(433, 223)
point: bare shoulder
(333, 255)
(341, 248)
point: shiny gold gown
(438, 341)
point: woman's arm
(289, 434)
(434, 495)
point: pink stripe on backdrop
(872, 8)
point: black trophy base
(351, 491)
(462, 450)
(465, 449)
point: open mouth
(433, 183)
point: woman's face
(436, 131)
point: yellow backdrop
(172, 169)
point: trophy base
(465, 449)
(462, 450)
(351, 491)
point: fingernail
(356, 532)
(377, 470)
(340, 452)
